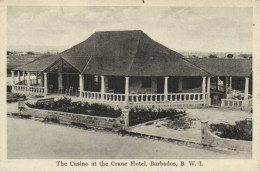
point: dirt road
(29, 139)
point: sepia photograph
(129, 85)
(129, 82)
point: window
(146, 82)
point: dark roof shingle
(224, 67)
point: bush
(15, 96)
(242, 130)
(141, 115)
(65, 105)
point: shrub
(9, 88)
(65, 105)
(242, 130)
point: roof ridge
(137, 47)
(194, 64)
(118, 31)
(87, 63)
(69, 63)
(91, 55)
(53, 63)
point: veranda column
(18, 75)
(246, 88)
(203, 87)
(102, 87)
(45, 84)
(230, 83)
(60, 82)
(28, 81)
(126, 89)
(245, 101)
(13, 81)
(217, 84)
(208, 86)
(37, 78)
(165, 88)
(81, 84)
(226, 86)
(23, 77)
(208, 91)
(42, 77)
(106, 83)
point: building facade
(122, 68)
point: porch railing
(171, 97)
(91, 95)
(95, 96)
(237, 104)
(144, 98)
(22, 89)
(114, 97)
(231, 103)
(250, 104)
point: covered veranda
(224, 88)
(117, 90)
(232, 81)
(60, 77)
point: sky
(206, 29)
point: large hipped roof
(133, 53)
(122, 53)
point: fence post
(20, 105)
(125, 117)
(204, 128)
(222, 103)
(245, 104)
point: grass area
(242, 130)
(178, 122)
(66, 105)
(140, 115)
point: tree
(212, 56)
(230, 56)
(30, 53)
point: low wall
(120, 123)
(209, 138)
(173, 105)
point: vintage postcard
(132, 85)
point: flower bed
(66, 105)
(140, 115)
(242, 130)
